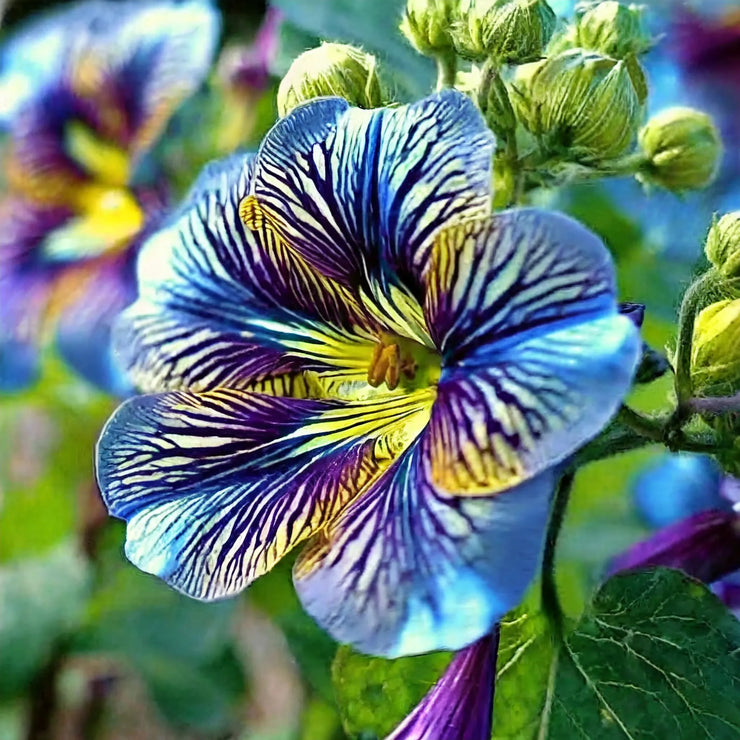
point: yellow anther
(385, 366)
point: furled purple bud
(705, 545)
(459, 705)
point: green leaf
(656, 655)
(182, 649)
(375, 694)
(373, 26)
(41, 601)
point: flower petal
(532, 406)
(26, 287)
(460, 704)
(30, 57)
(83, 332)
(216, 487)
(407, 568)
(221, 304)
(524, 271)
(356, 189)
(157, 55)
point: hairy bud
(508, 31)
(331, 69)
(722, 246)
(585, 103)
(683, 149)
(427, 25)
(715, 355)
(613, 29)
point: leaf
(656, 655)
(181, 648)
(375, 694)
(373, 26)
(41, 600)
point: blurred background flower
(81, 193)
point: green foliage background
(129, 658)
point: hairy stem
(549, 592)
(660, 429)
(446, 69)
(714, 405)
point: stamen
(387, 364)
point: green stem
(549, 593)
(446, 69)
(496, 107)
(649, 427)
(686, 318)
(661, 429)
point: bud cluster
(573, 94)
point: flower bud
(715, 354)
(613, 29)
(508, 31)
(427, 24)
(331, 69)
(584, 103)
(722, 246)
(704, 545)
(683, 148)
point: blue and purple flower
(81, 193)
(344, 348)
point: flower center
(399, 361)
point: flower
(342, 347)
(82, 193)
(696, 508)
(460, 704)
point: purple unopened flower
(80, 202)
(460, 704)
(705, 545)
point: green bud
(584, 103)
(427, 24)
(722, 246)
(613, 29)
(683, 149)
(331, 69)
(508, 31)
(715, 350)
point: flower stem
(715, 406)
(446, 69)
(660, 429)
(548, 591)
